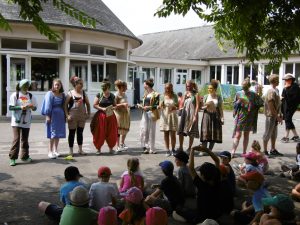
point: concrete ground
(23, 186)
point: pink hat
(134, 195)
(250, 155)
(156, 216)
(107, 216)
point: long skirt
(211, 128)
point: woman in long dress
(188, 125)
(53, 109)
(169, 118)
(213, 119)
(246, 106)
(122, 113)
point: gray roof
(185, 44)
(93, 8)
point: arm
(209, 152)
(221, 111)
(197, 107)
(68, 97)
(121, 183)
(191, 164)
(256, 218)
(96, 105)
(88, 105)
(151, 198)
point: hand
(222, 121)
(194, 119)
(23, 107)
(145, 108)
(279, 120)
(48, 119)
(149, 199)
(29, 106)
(69, 117)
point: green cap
(282, 202)
(23, 82)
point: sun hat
(23, 82)
(104, 171)
(282, 202)
(288, 76)
(133, 195)
(182, 156)
(72, 173)
(250, 156)
(225, 154)
(79, 196)
(107, 216)
(156, 216)
(167, 166)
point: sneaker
(188, 151)
(169, 153)
(173, 152)
(285, 140)
(56, 154)
(145, 150)
(51, 155)
(98, 152)
(81, 152)
(266, 152)
(113, 152)
(125, 147)
(152, 151)
(203, 154)
(275, 153)
(295, 138)
(12, 162)
(119, 148)
(28, 160)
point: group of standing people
(111, 122)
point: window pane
(97, 50)
(17, 71)
(289, 68)
(247, 71)
(254, 72)
(229, 74)
(165, 75)
(79, 69)
(111, 73)
(111, 52)
(97, 72)
(13, 43)
(297, 72)
(196, 76)
(236, 75)
(178, 79)
(78, 48)
(219, 69)
(183, 79)
(212, 72)
(44, 45)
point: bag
(155, 114)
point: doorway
(4, 85)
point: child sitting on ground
(294, 171)
(225, 157)
(184, 176)
(103, 193)
(281, 210)
(79, 213)
(132, 177)
(135, 208)
(252, 211)
(250, 164)
(261, 158)
(72, 177)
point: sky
(138, 16)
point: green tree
(260, 29)
(30, 9)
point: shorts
(270, 128)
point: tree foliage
(30, 9)
(260, 29)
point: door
(181, 78)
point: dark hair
(214, 83)
(138, 211)
(61, 90)
(72, 173)
(179, 94)
(168, 173)
(105, 85)
(149, 82)
(133, 166)
(18, 87)
(210, 173)
(75, 80)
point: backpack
(71, 102)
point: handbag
(155, 114)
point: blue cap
(167, 166)
(225, 154)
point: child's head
(104, 173)
(298, 148)
(253, 180)
(134, 203)
(209, 173)
(255, 146)
(179, 94)
(250, 158)
(181, 158)
(79, 196)
(156, 216)
(167, 167)
(107, 216)
(133, 164)
(225, 157)
(72, 173)
(282, 206)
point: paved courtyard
(23, 186)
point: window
(79, 48)
(247, 71)
(181, 76)
(79, 69)
(43, 71)
(148, 73)
(212, 72)
(111, 73)
(267, 71)
(235, 75)
(196, 76)
(229, 74)
(17, 71)
(215, 72)
(97, 50)
(44, 45)
(165, 75)
(251, 71)
(293, 68)
(97, 73)
(289, 68)
(110, 52)
(13, 44)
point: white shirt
(19, 119)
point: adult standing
(213, 117)
(169, 118)
(122, 113)
(273, 115)
(77, 110)
(290, 101)
(188, 125)
(149, 117)
(104, 126)
(21, 104)
(53, 109)
(246, 106)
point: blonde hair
(194, 85)
(256, 146)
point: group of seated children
(193, 196)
